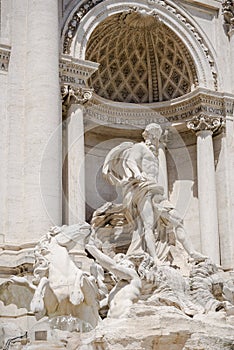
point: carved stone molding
(74, 71)
(4, 57)
(123, 115)
(17, 270)
(205, 122)
(228, 15)
(75, 21)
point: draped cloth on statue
(135, 191)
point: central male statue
(135, 168)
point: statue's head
(152, 131)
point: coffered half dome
(141, 59)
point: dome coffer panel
(141, 60)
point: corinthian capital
(74, 95)
(205, 122)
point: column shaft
(76, 165)
(207, 196)
(12, 215)
(43, 118)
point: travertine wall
(30, 115)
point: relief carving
(228, 15)
(205, 122)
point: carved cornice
(205, 122)
(123, 115)
(74, 71)
(228, 15)
(16, 259)
(17, 270)
(5, 52)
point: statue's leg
(148, 217)
(174, 219)
(37, 303)
(76, 296)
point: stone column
(163, 175)
(75, 155)
(12, 193)
(204, 126)
(43, 119)
(4, 141)
(74, 74)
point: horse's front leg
(37, 303)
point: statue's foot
(198, 257)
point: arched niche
(88, 15)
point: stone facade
(77, 79)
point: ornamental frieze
(104, 112)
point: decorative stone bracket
(228, 14)
(74, 74)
